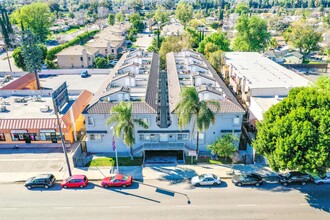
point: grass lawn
(207, 160)
(111, 161)
(71, 30)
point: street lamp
(114, 147)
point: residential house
(293, 58)
(77, 57)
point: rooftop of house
(139, 66)
(78, 50)
(262, 72)
(184, 67)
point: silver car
(320, 180)
(205, 180)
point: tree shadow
(175, 175)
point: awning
(97, 132)
(162, 131)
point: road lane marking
(185, 206)
(120, 207)
(246, 205)
(65, 207)
(7, 209)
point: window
(201, 136)
(236, 120)
(81, 59)
(112, 51)
(90, 120)
(106, 50)
(183, 137)
(144, 137)
(89, 59)
(2, 137)
(95, 137)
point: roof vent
(44, 108)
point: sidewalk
(171, 173)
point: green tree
(193, 36)
(294, 134)
(172, 44)
(120, 17)
(303, 36)
(191, 109)
(252, 34)
(272, 43)
(6, 28)
(224, 146)
(242, 8)
(209, 48)
(216, 59)
(32, 54)
(123, 122)
(36, 17)
(137, 22)
(219, 39)
(101, 62)
(161, 15)
(111, 19)
(54, 8)
(184, 12)
(18, 58)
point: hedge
(80, 39)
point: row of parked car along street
(119, 180)
(257, 179)
(76, 181)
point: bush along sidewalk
(80, 39)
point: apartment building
(136, 78)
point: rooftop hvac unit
(3, 108)
(44, 108)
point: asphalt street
(155, 199)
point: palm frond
(141, 123)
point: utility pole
(62, 139)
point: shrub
(81, 39)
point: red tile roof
(20, 83)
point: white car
(205, 180)
(320, 180)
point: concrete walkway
(171, 173)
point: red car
(117, 180)
(75, 181)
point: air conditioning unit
(44, 108)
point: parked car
(113, 62)
(84, 74)
(294, 177)
(247, 179)
(43, 181)
(117, 180)
(321, 179)
(206, 180)
(75, 181)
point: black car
(247, 179)
(43, 180)
(294, 177)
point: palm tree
(122, 118)
(190, 107)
